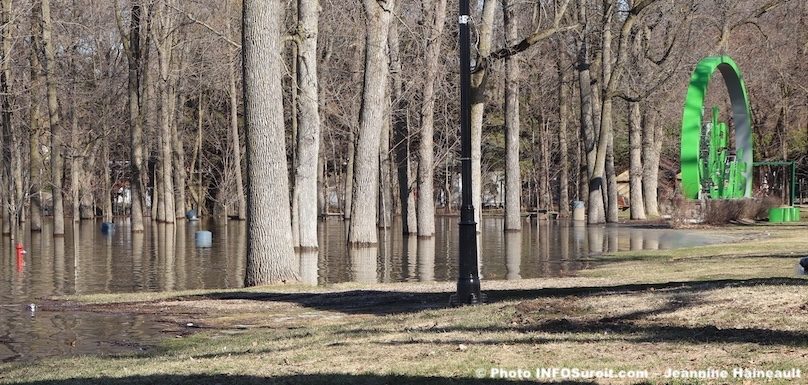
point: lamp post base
(468, 293)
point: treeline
(143, 107)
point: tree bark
(401, 138)
(513, 173)
(478, 84)
(163, 36)
(637, 204)
(308, 138)
(595, 210)
(270, 253)
(9, 179)
(362, 230)
(651, 149)
(57, 166)
(134, 56)
(35, 159)
(563, 153)
(385, 214)
(235, 139)
(426, 150)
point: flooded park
(165, 258)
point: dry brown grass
(665, 311)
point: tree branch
(207, 26)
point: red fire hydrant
(20, 256)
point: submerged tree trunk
(513, 173)
(35, 160)
(57, 166)
(563, 152)
(270, 254)
(637, 204)
(401, 138)
(362, 230)
(134, 56)
(235, 139)
(164, 41)
(426, 164)
(651, 150)
(308, 138)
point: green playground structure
(712, 167)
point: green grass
(715, 306)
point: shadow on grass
(312, 379)
(378, 302)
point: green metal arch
(693, 116)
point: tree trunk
(180, 175)
(270, 253)
(308, 138)
(651, 149)
(75, 161)
(235, 140)
(164, 41)
(563, 99)
(349, 182)
(513, 173)
(107, 190)
(426, 150)
(362, 230)
(385, 214)
(611, 182)
(595, 210)
(134, 61)
(36, 165)
(478, 83)
(401, 138)
(57, 166)
(637, 205)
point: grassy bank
(715, 306)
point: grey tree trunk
(241, 208)
(401, 138)
(595, 210)
(12, 173)
(308, 138)
(270, 254)
(180, 175)
(134, 56)
(651, 150)
(57, 166)
(563, 152)
(107, 190)
(35, 160)
(385, 214)
(478, 83)
(426, 150)
(637, 204)
(611, 182)
(362, 230)
(163, 35)
(513, 172)
(76, 166)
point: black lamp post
(468, 277)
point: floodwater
(162, 258)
